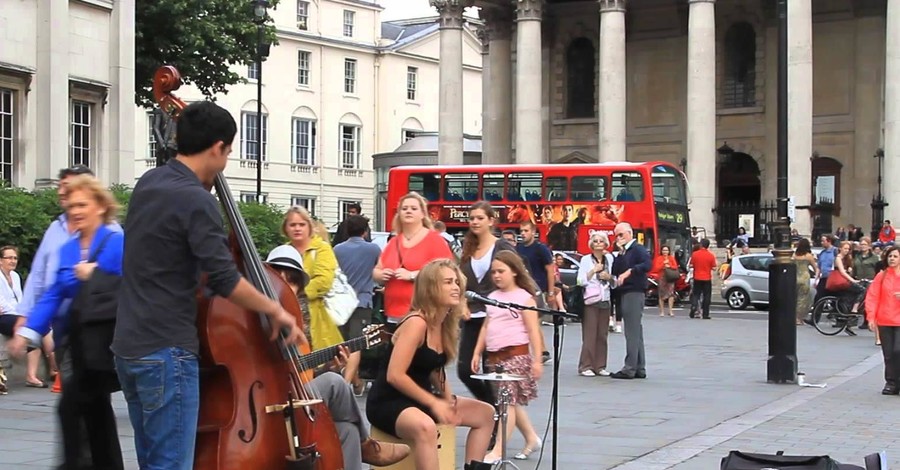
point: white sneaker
(604, 373)
(587, 373)
(618, 329)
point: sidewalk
(705, 395)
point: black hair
(74, 170)
(704, 243)
(356, 206)
(201, 125)
(357, 225)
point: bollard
(782, 363)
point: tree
(202, 39)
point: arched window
(580, 58)
(739, 88)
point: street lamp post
(260, 14)
(878, 203)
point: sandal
(528, 450)
(38, 384)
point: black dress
(385, 403)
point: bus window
(588, 188)
(426, 184)
(556, 189)
(492, 187)
(524, 187)
(461, 187)
(668, 185)
(627, 186)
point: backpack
(737, 460)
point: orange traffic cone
(57, 384)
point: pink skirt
(523, 391)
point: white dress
(10, 295)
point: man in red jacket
(704, 263)
(887, 235)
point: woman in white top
(10, 296)
(594, 274)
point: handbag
(671, 274)
(737, 460)
(836, 282)
(341, 300)
(93, 318)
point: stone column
(611, 84)
(450, 114)
(800, 109)
(701, 112)
(892, 113)
(52, 136)
(120, 154)
(529, 136)
(498, 97)
(487, 132)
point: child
(505, 336)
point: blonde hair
(92, 186)
(426, 291)
(423, 205)
(514, 261)
(316, 228)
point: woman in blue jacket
(84, 399)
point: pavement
(706, 394)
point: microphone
(480, 298)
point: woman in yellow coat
(320, 263)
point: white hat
(287, 256)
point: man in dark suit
(630, 269)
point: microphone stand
(558, 320)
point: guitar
(373, 335)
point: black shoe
(476, 465)
(621, 375)
(640, 375)
(707, 317)
(693, 314)
(890, 390)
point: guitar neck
(325, 355)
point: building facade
(339, 86)
(66, 89)
(694, 82)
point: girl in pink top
(512, 342)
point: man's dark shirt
(174, 231)
(637, 259)
(562, 237)
(536, 256)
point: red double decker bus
(567, 202)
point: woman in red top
(666, 288)
(883, 310)
(415, 245)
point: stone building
(66, 89)
(694, 82)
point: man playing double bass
(175, 231)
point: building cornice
(102, 4)
(326, 40)
(361, 3)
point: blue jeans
(163, 395)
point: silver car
(747, 281)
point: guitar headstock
(375, 335)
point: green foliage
(23, 220)
(202, 39)
(122, 192)
(264, 223)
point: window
(756, 263)
(303, 68)
(349, 15)
(492, 186)
(253, 71)
(556, 189)
(80, 134)
(303, 141)
(151, 136)
(668, 185)
(426, 184)
(627, 186)
(350, 147)
(588, 188)
(306, 202)
(739, 86)
(7, 134)
(302, 15)
(461, 187)
(249, 136)
(407, 135)
(826, 172)
(412, 76)
(344, 208)
(349, 75)
(524, 187)
(250, 196)
(580, 58)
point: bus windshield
(668, 185)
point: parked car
(746, 282)
(568, 272)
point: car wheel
(737, 299)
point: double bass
(257, 409)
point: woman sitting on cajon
(411, 395)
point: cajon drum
(446, 448)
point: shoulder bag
(596, 292)
(341, 300)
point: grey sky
(403, 9)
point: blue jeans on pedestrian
(163, 394)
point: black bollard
(782, 364)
